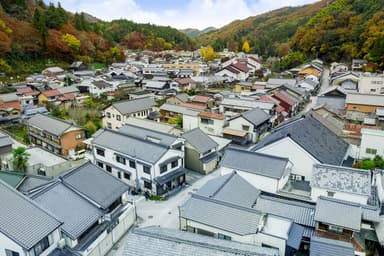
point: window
(373, 90)
(109, 125)
(330, 193)
(127, 176)
(41, 246)
(335, 229)
(119, 175)
(108, 114)
(163, 169)
(147, 185)
(100, 152)
(108, 168)
(245, 127)
(120, 159)
(146, 169)
(224, 237)
(371, 151)
(100, 164)
(132, 164)
(118, 117)
(11, 253)
(206, 121)
(175, 163)
(41, 172)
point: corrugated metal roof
(339, 213)
(50, 124)
(327, 247)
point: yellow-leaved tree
(246, 48)
(72, 42)
(208, 53)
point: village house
(248, 126)
(116, 115)
(360, 106)
(201, 152)
(372, 143)
(178, 98)
(172, 113)
(56, 135)
(305, 141)
(346, 80)
(142, 158)
(212, 123)
(371, 83)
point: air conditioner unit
(61, 243)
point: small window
(163, 169)
(100, 164)
(108, 114)
(175, 163)
(224, 237)
(132, 164)
(118, 117)
(120, 159)
(41, 172)
(11, 253)
(146, 169)
(371, 151)
(147, 185)
(119, 175)
(79, 136)
(100, 152)
(108, 168)
(245, 127)
(109, 125)
(330, 193)
(127, 176)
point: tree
(208, 53)
(39, 22)
(246, 48)
(4, 67)
(71, 41)
(20, 159)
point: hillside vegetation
(331, 30)
(31, 32)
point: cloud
(185, 14)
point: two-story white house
(116, 115)
(148, 160)
(212, 123)
(372, 143)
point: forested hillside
(31, 32)
(331, 30)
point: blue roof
(295, 235)
(326, 247)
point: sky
(180, 14)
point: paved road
(164, 213)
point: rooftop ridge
(223, 184)
(257, 153)
(124, 101)
(147, 129)
(201, 244)
(291, 201)
(367, 172)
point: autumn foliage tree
(246, 48)
(208, 53)
(72, 42)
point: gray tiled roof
(31, 182)
(260, 164)
(182, 96)
(344, 179)
(76, 212)
(143, 133)
(229, 217)
(339, 213)
(22, 220)
(96, 184)
(313, 136)
(154, 241)
(132, 106)
(140, 149)
(199, 140)
(326, 247)
(230, 188)
(302, 213)
(295, 236)
(256, 116)
(5, 140)
(50, 124)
